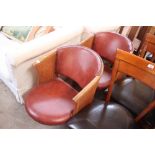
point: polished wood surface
(45, 68)
(86, 95)
(148, 45)
(88, 42)
(133, 32)
(142, 32)
(136, 67)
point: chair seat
(101, 116)
(133, 94)
(51, 103)
(105, 78)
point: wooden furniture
(105, 44)
(54, 101)
(136, 67)
(138, 33)
(148, 46)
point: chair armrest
(88, 42)
(86, 95)
(45, 68)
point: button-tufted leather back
(106, 43)
(79, 63)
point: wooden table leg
(150, 107)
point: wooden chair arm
(88, 42)
(45, 68)
(86, 95)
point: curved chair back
(106, 44)
(79, 63)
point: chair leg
(113, 78)
(150, 107)
(143, 50)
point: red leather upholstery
(82, 65)
(51, 103)
(105, 44)
(105, 78)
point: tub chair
(105, 44)
(55, 100)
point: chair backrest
(134, 66)
(148, 45)
(79, 63)
(106, 43)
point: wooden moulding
(46, 68)
(134, 61)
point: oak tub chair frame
(47, 71)
(136, 67)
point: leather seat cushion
(133, 94)
(51, 103)
(101, 116)
(105, 78)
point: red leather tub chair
(54, 101)
(106, 44)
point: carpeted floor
(13, 114)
